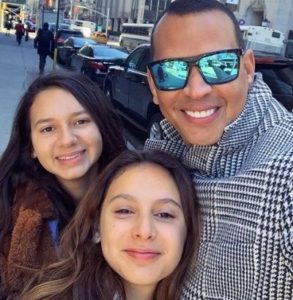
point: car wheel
(154, 128)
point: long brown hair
(83, 272)
(17, 165)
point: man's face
(199, 111)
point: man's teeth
(200, 114)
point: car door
(79, 60)
(65, 50)
(140, 97)
(122, 78)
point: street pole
(56, 31)
(107, 20)
(158, 6)
(42, 15)
(71, 9)
(1, 15)
(165, 5)
(140, 12)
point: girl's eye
(81, 122)
(123, 211)
(47, 129)
(165, 215)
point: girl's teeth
(68, 157)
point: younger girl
(133, 236)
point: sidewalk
(18, 67)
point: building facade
(277, 14)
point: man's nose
(196, 87)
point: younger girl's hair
(83, 272)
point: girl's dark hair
(83, 272)
(17, 166)
(186, 7)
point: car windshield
(67, 34)
(79, 42)
(64, 26)
(109, 52)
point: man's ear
(152, 87)
(249, 64)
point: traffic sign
(241, 22)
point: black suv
(127, 87)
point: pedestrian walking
(19, 31)
(44, 42)
(27, 30)
(8, 26)
(236, 141)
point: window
(133, 62)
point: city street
(19, 66)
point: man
(237, 142)
(44, 42)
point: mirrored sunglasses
(215, 68)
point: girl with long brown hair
(64, 133)
(133, 236)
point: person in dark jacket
(8, 26)
(44, 42)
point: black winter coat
(44, 41)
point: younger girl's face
(142, 226)
(65, 138)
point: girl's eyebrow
(47, 120)
(132, 198)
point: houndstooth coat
(245, 187)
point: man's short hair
(185, 7)
(45, 25)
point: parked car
(70, 46)
(94, 61)
(99, 37)
(29, 26)
(127, 86)
(128, 89)
(63, 34)
(277, 72)
(52, 26)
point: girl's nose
(67, 136)
(144, 228)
